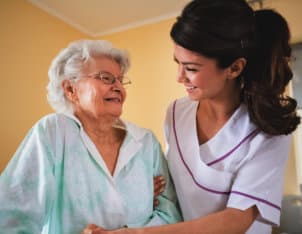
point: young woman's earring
(241, 83)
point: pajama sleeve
(167, 211)
(27, 185)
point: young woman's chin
(194, 96)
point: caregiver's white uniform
(239, 167)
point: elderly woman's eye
(106, 78)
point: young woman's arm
(228, 221)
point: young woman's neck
(220, 108)
(212, 115)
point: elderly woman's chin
(117, 113)
(116, 109)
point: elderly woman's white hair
(68, 63)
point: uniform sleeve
(259, 181)
(167, 211)
(26, 185)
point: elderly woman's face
(92, 97)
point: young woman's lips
(190, 88)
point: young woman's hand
(159, 187)
(94, 229)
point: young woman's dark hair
(228, 30)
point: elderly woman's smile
(114, 98)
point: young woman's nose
(181, 76)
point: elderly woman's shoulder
(54, 120)
(139, 132)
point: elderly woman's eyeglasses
(108, 78)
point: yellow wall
(29, 40)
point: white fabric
(239, 167)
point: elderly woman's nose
(116, 89)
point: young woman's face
(94, 98)
(200, 75)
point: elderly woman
(83, 164)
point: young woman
(228, 141)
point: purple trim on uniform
(211, 190)
(258, 199)
(182, 158)
(254, 132)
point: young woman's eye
(191, 69)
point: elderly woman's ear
(69, 90)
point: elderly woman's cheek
(89, 96)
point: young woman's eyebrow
(187, 63)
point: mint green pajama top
(57, 182)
